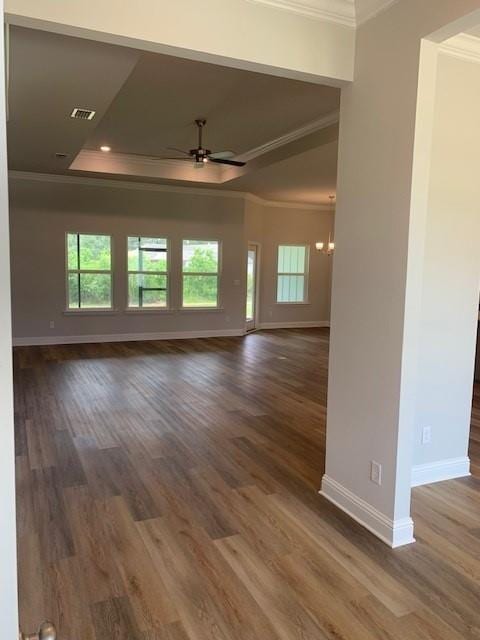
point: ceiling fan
(201, 156)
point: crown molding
(345, 12)
(283, 204)
(464, 46)
(369, 9)
(339, 11)
(316, 125)
(166, 188)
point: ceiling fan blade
(190, 159)
(222, 155)
(233, 163)
(178, 150)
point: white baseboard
(395, 533)
(294, 325)
(126, 337)
(163, 335)
(441, 470)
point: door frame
(256, 314)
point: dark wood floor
(168, 491)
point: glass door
(251, 286)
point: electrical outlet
(227, 318)
(376, 472)
(426, 435)
(52, 324)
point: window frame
(305, 273)
(167, 274)
(68, 271)
(218, 274)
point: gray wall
(41, 212)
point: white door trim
(8, 547)
(255, 324)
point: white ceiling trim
(301, 132)
(368, 9)
(339, 11)
(347, 12)
(148, 186)
(464, 46)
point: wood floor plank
(198, 612)
(70, 469)
(287, 614)
(114, 619)
(32, 586)
(152, 604)
(92, 545)
(67, 600)
(124, 477)
(174, 631)
(52, 525)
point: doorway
(251, 301)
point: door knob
(46, 631)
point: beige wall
(451, 276)
(42, 212)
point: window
(89, 271)
(292, 273)
(200, 273)
(147, 272)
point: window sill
(294, 303)
(90, 312)
(202, 309)
(141, 310)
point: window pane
(138, 297)
(291, 259)
(72, 291)
(200, 291)
(95, 290)
(200, 256)
(147, 254)
(95, 252)
(291, 289)
(72, 251)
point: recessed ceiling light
(105, 148)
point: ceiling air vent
(82, 114)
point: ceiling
(158, 103)
(145, 102)
(474, 32)
(315, 180)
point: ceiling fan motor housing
(200, 155)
